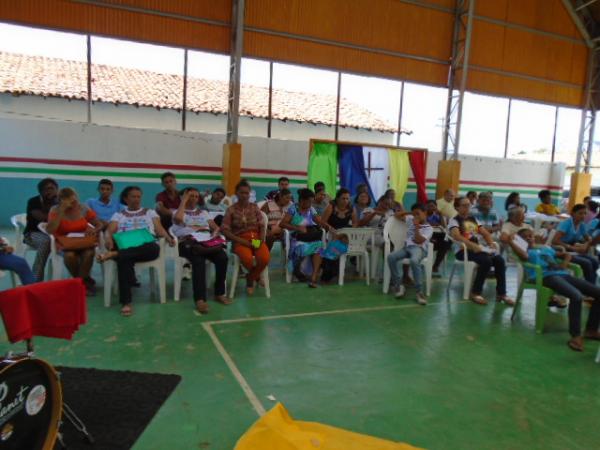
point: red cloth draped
(418, 164)
(51, 309)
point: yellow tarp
(276, 430)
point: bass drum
(30, 404)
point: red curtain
(418, 164)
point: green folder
(133, 238)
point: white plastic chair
(236, 266)
(394, 233)
(358, 240)
(469, 268)
(19, 221)
(56, 258)
(156, 267)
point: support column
(457, 79)
(232, 166)
(448, 177)
(232, 150)
(581, 186)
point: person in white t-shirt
(415, 248)
(191, 226)
(134, 217)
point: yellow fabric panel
(344, 59)
(399, 171)
(494, 84)
(129, 25)
(277, 430)
(387, 24)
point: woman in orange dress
(70, 216)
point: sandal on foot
(312, 284)
(576, 344)
(126, 311)
(223, 300)
(476, 298)
(557, 302)
(202, 306)
(506, 300)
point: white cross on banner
(378, 179)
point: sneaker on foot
(421, 299)
(400, 291)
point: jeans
(16, 264)
(41, 242)
(416, 255)
(485, 261)
(575, 289)
(198, 262)
(588, 264)
(125, 267)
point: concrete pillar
(448, 177)
(232, 166)
(581, 186)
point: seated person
(243, 225)
(445, 205)
(485, 215)
(14, 263)
(557, 277)
(388, 203)
(38, 208)
(572, 235)
(441, 245)
(70, 216)
(546, 206)
(472, 196)
(305, 226)
(134, 217)
(216, 201)
(275, 210)
(282, 183)
(415, 248)
(321, 201)
(592, 211)
(104, 206)
(514, 224)
(513, 200)
(464, 229)
(340, 214)
(188, 220)
(168, 200)
(329, 261)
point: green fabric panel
(399, 170)
(323, 166)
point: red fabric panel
(51, 309)
(418, 164)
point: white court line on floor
(329, 312)
(254, 401)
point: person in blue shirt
(572, 235)
(104, 206)
(485, 214)
(557, 277)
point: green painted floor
(447, 376)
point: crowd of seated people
(202, 222)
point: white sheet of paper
(76, 235)
(520, 242)
(201, 236)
